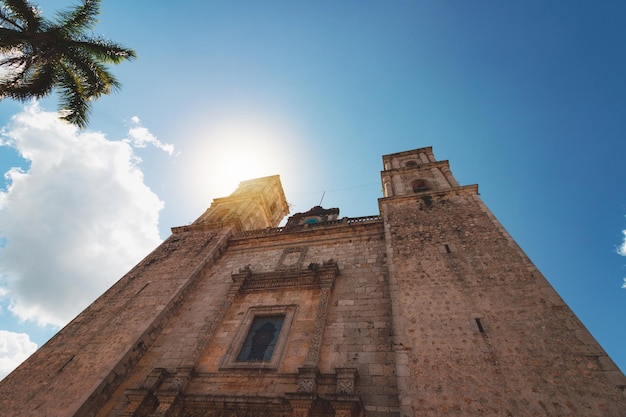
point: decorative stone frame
(230, 359)
(281, 266)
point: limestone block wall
(478, 330)
(78, 368)
(356, 329)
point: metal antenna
(323, 194)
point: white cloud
(74, 222)
(14, 349)
(140, 137)
(622, 248)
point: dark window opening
(410, 164)
(261, 339)
(447, 248)
(419, 186)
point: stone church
(426, 309)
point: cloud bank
(75, 221)
(14, 348)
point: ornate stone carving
(135, 399)
(314, 276)
(165, 404)
(318, 327)
(346, 380)
(300, 405)
(307, 379)
(327, 273)
(306, 385)
(180, 379)
(345, 387)
(287, 255)
(238, 406)
(349, 408)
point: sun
(224, 154)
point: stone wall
(479, 331)
(355, 331)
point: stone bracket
(307, 379)
(346, 380)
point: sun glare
(223, 155)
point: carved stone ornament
(307, 379)
(292, 258)
(351, 408)
(346, 380)
(306, 385)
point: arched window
(419, 186)
(410, 164)
(261, 340)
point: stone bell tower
(411, 172)
(477, 329)
(255, 204)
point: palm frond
(9, 20)
(10, 39)
(17, 70)
(13, 61)
(94, 75)
(75, 106)
(25, 11)
(104, 50)
(41, 55)
(76, 20)
(36, 84)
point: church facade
(428, 308)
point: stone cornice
(466, 189)
(420, 166)
(310, 228)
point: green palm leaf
(40, 56)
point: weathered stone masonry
(428, 309)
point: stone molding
(315, 276)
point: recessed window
(261, 339)
(419, 186)
(411, 164)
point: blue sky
(527, 99)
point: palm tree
(38, 55)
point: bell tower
(255, 204)
(416, 171)
(477, 329)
